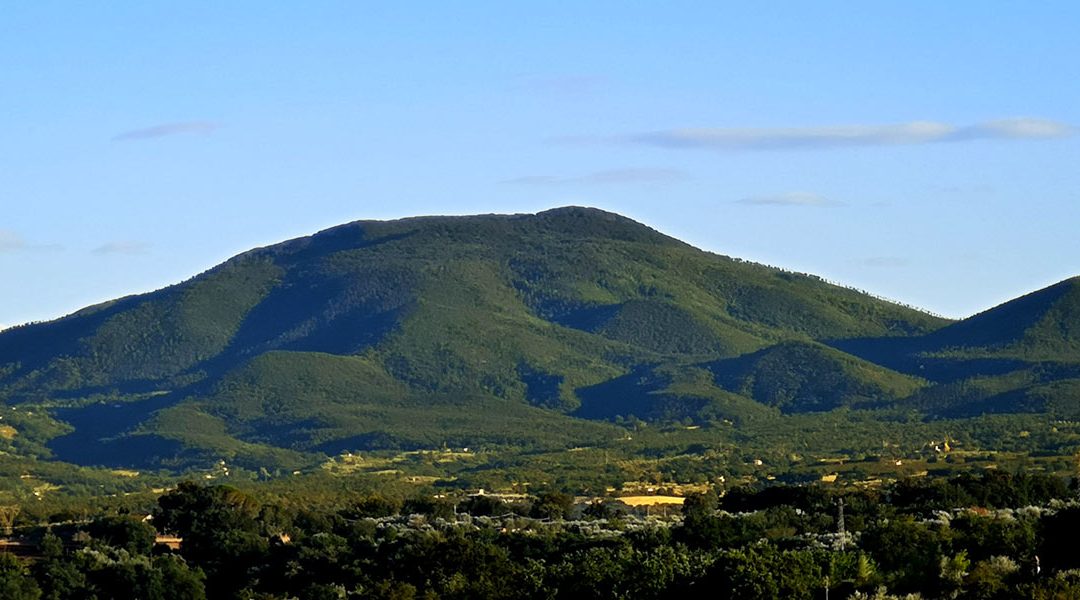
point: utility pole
(840, 526)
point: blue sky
(924, 151)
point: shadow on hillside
(97, 439)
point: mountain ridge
(565, 319)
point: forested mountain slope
(497, 329)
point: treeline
(985, 536)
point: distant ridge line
(852, 288)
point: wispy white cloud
(11, 241)
(167, 129)
(1024, 128)
(612, 176)
(840, 136)
(123, 247)
(791, 199)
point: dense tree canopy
(774, 542)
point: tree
(954, 569)
(600, 509)
(15, 580)
(374, 506)
(989, 578)
(130, 533)
(220, 531)
(906, 549)
(1059, 534)
(484, 506)
(763, 572)
(438, 508)
(699, 506)
(60, 576)
(552, 505)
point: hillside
(1038, 327)
(526, 330)
(807, 377)
(1021, 356)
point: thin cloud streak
(791, 199)
(167, 129)
(613, 176)
(122, 247)
(842, 136)
(11, 241)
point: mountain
(529, 330)
(1041, 326)
(1021, 356)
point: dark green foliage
(990, 489)
(985, 536)
(805, 377)
(552, 505)
(667, 394)
(124, 532)
(513, 332)
(60, 577)
(765, 573)
(178, 580)
(1059, 535)
(786, 547)
(1041, 326)
(906, 548)
(806, 498)
(481, 505)
(601, 509)
(220, 530)
(16, 582)
(105, 572)
(542, 389)
(152, 338)
(439, 508)
(697, 507)
(374, 506)
(659, 326)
